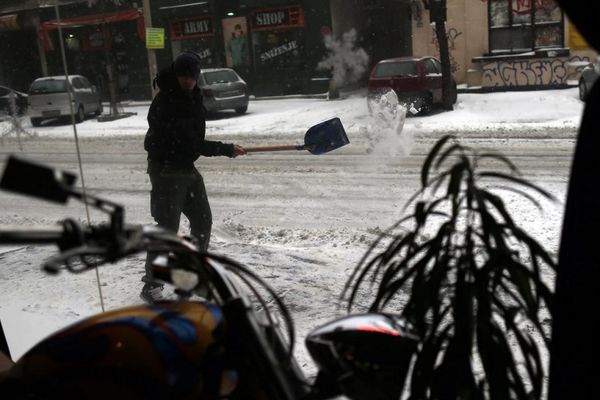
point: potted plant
(469, 278)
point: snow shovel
(319, 139)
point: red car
(416, 80)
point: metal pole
(152, 67)
(70, 93)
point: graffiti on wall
(539, 72)
(451, 34)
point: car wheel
(582, 90)
(36, 121)
(79, 117)
(241, 110)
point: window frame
(532, 25)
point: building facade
(506, 44)
(276, 45)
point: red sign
(277, 18)
(525, 7)
(191, 27)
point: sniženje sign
(155, 38)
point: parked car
(587, 79)
(416, 80)
(222, 89)
(48, 98)
(20, 99)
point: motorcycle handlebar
(77, 241)
(35, 235)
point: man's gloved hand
(238, 151)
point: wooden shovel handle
(273, 148)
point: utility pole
(437, 15)
(152, 67)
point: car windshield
(402, 68)
(219, 77)
(48, 86)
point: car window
(220, 77)
(77, 83)
(48, 86)
(403, 68)
(86, 84)
(430, 67)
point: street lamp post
(152, 67)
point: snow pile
(545, 113)
(384, 134)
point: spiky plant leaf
(472, 277)
(430, 157)
(519, 181)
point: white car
(222, 89)
(48, 98)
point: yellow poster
(576, 41)
(155, 38)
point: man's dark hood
(166, 80)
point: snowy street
(301, 221)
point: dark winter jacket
(176, 120)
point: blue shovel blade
(326, 136)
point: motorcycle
(227, 344)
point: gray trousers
(175, 193)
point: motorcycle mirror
(31, 179)
(364, 356)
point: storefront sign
(277, 18)
(8, 22)
(192, 27)
(155, 38)
(279, 50)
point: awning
(96, 19)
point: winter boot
(152, 293)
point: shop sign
(192, 27)
(155, 38)
(8, 22)
(279, 50)
(277, 18)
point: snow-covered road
(301, 221)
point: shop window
(278, 49)
(77, 84)
(196, 34)
(524, 25)
(278, 37)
